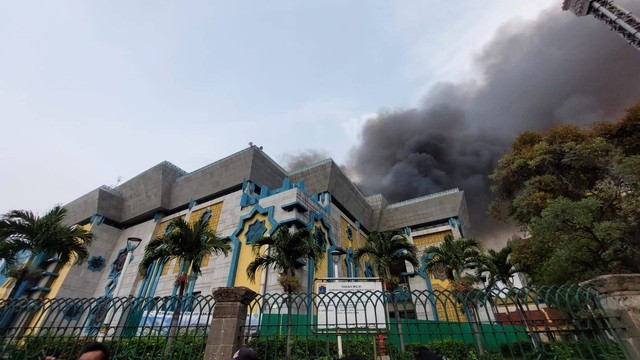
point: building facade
(244, 196)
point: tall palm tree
(455, 256)
(189, 242)
(42, 236)
(385, 249)
(498, 266)
(286, 252)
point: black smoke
(556, 69)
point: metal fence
(546, 323)
(132, 328)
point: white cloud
(353, 126)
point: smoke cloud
(304, 158)
(532, 75)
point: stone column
(229, 315)
(620, 298)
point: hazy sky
(93, 91)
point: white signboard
(350, 304)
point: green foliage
(498, 265)
(385, 249)
(187, 347)
(452, 349)
(520, 348)
(24, 231)
(287, 252)
(576, 192)
(189, 242)
(454, 256)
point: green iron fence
(132, 328)
(545, 323)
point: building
(244, 196)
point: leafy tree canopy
(25, 231)
(575, 191)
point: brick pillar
(620, 298)
(229, 315)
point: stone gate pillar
(620, 298)
(229, 315)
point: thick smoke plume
(557, 69)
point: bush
(188, 347)
(520, 348)
(452, 349)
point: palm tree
(286, 252)
(189, 242)
(498, 266)
(385, 249)
(42, 236)
(454, 257)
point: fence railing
(133, 328)
(543, 323)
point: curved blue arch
(257, 209)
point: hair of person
(97, 346)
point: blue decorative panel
(72, 312)
(96, 263)
(318, 234)
(368, 270)
(206, 215)
(256, 231)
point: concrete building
(245, 196)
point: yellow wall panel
(215, 209)
(205, 261)
(246, 255)
(447, 308)
(430, 239)
(165, 268)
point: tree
(385, 249)
(286, 252)
(453, 256)
(43, 237)
(498, 265)
(189, 243)
(575, 192)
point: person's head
(423, 353)
(245, 353)
(94, 351)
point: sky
(93, 92)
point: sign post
(352, 304)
